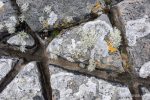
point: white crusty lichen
(145, 70)
(136, 29)
(52, 18)
(115, 37)
(10, 24)
(25, 7)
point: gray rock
(89, 43)
(49, 14)
(145, 70)
(70, 86)
(20, 40)
(134, 18)
(6, 64)
(8, 16)
(146, 93)
(25, 86)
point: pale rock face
(6, 64)
(137, 29)
(146, 93)
(21, 40)
(79, 87)
(8, 16)
(25, 86)
(145, 70)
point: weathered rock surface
(8, 16)
(6, 64)
(20, 40)
(25, 86)
(94, 42)
(72, 86)
(133, 17)
(146, 93)
(49, 14)
(145, 70)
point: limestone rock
(89, 43)
(8, 16)
(133, 17)
(6, 64)
(145, 70)
(78, 87)
(49, 14)
(20, 40)
(146, 93)
(25, 86)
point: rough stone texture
(25, 86)
(8, 16)
(134, 18)
(43, 14)
(71, 86)
(6, 64)
(88, 43)
(145, 70)
(20, 40)
(146, 93)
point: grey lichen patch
(87, 42)
(136, 29)
(25, 86)
(79, 87)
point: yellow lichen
(111, 49)
(97, 7)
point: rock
(20, 40)
(49, 14)
(25, 86)
(6, 64)
(94, 42)
(146, 93)
(78, 87)
(133, 17)
(8, 16)
(145, 70)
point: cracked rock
(49, 14)
(79, 87)
(25, 86)
(133, 17)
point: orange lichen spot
(97, 7)
(111, 48)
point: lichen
(25, 7)
(136, 29)
(52, 18)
